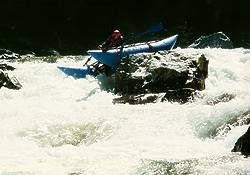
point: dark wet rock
(174, 74)
(243, 144)
(198, 81)
(157, 73)
(215, 40)
(5, 67)
(202, 67)
(8, 55)
(10, 83)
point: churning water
(58, 125)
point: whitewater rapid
(58, 125)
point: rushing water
(58, 125)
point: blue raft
(76, 72)
(113, 57)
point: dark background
(73, 26)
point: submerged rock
(215, 40)
(243, 144)
(175, 75)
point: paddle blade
(155, 28)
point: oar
(95, 64)
(155, 28)
(87, 61)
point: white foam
(129, 133)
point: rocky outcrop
(158, 77)
(8, 55)
(5, 80)
(243, 144)
(215, 40)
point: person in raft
(114, 40)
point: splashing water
(61, 125)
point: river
(58, 125)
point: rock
(243, 144)
(7, 54)
(11, 83)
(157, 73)
(215, 40)
(171, 73)
(5, 67)
(198, 81)
(203, 66)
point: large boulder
(243, 144)
(215, 40)
(139, 78)
(156, 73)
